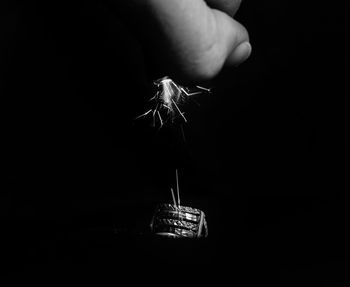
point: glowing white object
(168, 100)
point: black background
(264, 154)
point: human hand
(190, 39)
(201, 36)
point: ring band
(179, 221)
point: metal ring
(179, 221)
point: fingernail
(242, 53)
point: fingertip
(240, 54)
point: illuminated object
(168, 100)
(178, 221)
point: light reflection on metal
(178, 221)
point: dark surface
(263, 155)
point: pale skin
(201, 36)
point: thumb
(233, 39)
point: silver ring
(175, 221)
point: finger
(202, 40)
(240, 54)
(230, 7)
(189, 29)
(233, 39)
